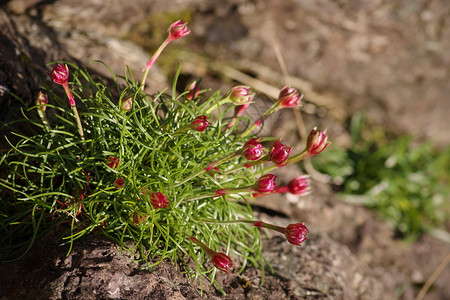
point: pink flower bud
(139, 219)
(300, 186)
(157, 200)
(127, 103)
(252, 149)
(60, 74)
(240, 94)
(194, 90)
(317, 141)
(178, 30)
(200, 123)
(266, 184)
(41, 100)
(289, 97)
(112, 162)
(296, 233)
(279, 153)
(119, 183)
(220, 260)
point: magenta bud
(240, 94)
(139, 219)
(279, 153)
(252, 149)
(42, 101)
(157, 200)
(194, 90)
(178, 30)
(220, 260)
(127, 103)
(200, 123)
(300, 186)
(112, 162)
(119, 183)
(317, 141)
(296, 233)
(60, 74)
(289, 97)
(266, 184)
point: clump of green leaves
(56, 179)
(169, 172)
(408, 184)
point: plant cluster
(170, 172)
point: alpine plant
(168, 171)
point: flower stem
(215, 105)
(152, 61)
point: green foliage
(54, 179)
(407, 184)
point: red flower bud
(296, 233)
(194, 90)
(118, 183)
(112, 162)
(240, 94)
(127, 103)
(279, 153)
(60, 74)
(200, 123)
(300, 186)
(42, 101)
(157, 200)
(289, 97)
(266, 184)
(252, 149)
(222, 261)
(178, 30)
(317, 141)
(139, 219)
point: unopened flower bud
(300, 186)
(112, 162)
(266, 184)
(279, 153)
(119, 183)
(240, 94)
(252, 149)
(220, 260)
(157, 200)
(139, 219)
(178, 30)
(200, 123)
(127, 103)
(317, 141)
(60, 74)
(42, 101)
(296, 233)
(194, 90)
(289, 97)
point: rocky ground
(387, 58)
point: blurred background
(376, 74)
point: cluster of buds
(246, 155)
